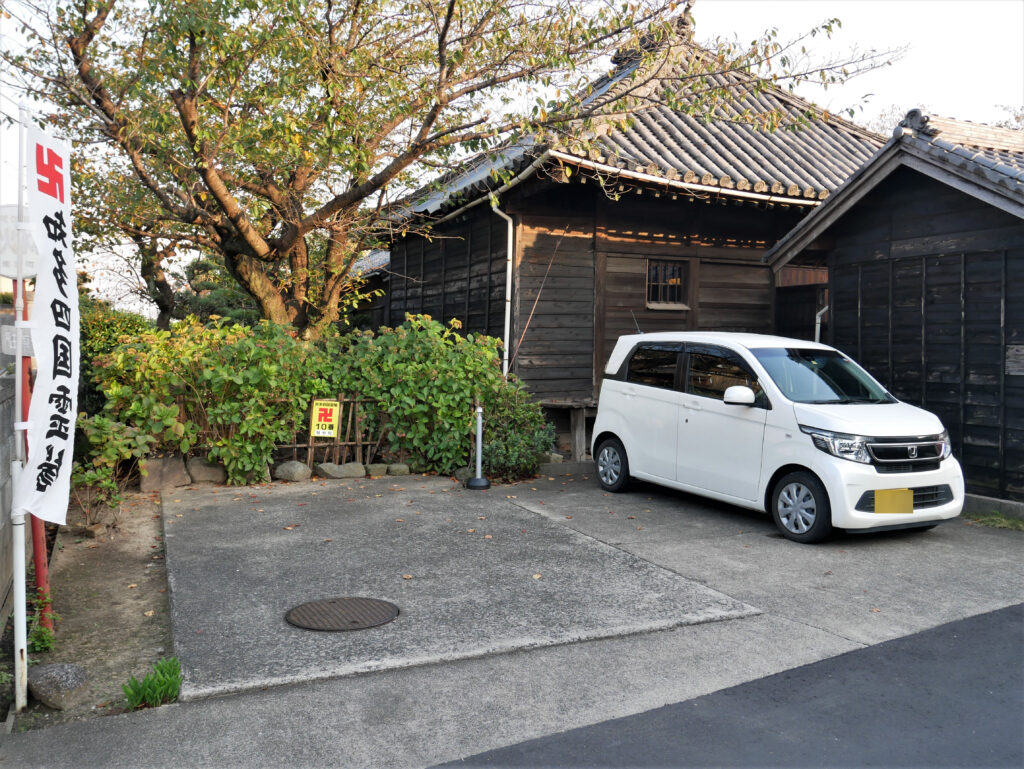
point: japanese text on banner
(44, 484)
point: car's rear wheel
(612, 465)
(800, 508)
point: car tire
(801, 509)
(612, 465)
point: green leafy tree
(274, 135)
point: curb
(975, 504)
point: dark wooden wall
(553, 343)
(927, 287)
(581, 275)
(458, 273)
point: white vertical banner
(43, 486)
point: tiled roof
(802, 161)
(806, 158)
(985, 161)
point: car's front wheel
(612, 465)
(801, 509)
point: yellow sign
(323, 419)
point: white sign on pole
(43, 486)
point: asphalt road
(950, 696)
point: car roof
(725, 338)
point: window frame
(685, 265)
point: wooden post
(358, 433)
(578, 421)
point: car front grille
(924, 497)
(908, 467)
(906, 455)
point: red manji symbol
(325, 415)
(49, 169)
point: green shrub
(515, 434)
(235, 392)
(102, 330)
(160, 686)
(232, 390)
(108, 456)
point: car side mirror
(739, 395)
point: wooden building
(657, 226)
(924, 248)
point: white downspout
(817, 323)
(508, 283)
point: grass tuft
(158, 687)
(998, 521)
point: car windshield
(820, 376)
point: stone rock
(164, 473)
(553, 457)
(463, 474)
(398, 468)
(94, 531)
(347, 470)
(201, 470)
(292, 471)
(353, 470)
(377, 469)
(58, 686)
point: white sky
(965, 57)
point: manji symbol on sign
(323, 419)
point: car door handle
(693, 406)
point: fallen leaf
(569, 516)
(638, 528)
(471, 531)
(399, 520)
(178, 515)
(537, 576)
(149, 613)
(827, 573)
(631, 517)
(162, 590)
(876, 610)
(328, 540)
(177, 500)
(300, 504)
(481, 517)
(487, 536)
(551, 479)
(260, 510)
(132, 585)
(407, 576)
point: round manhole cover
(342, 614)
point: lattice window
(668, 284)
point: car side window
(711, 373)
(654, 365)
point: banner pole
(17, 518)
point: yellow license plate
(894, 501)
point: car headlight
(852, 447)
(947, 447)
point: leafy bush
(108, 457)
(160, 686)
(235, 392)
(102, 330)
(515, 434)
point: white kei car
(790, 427)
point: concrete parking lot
(645, 599)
